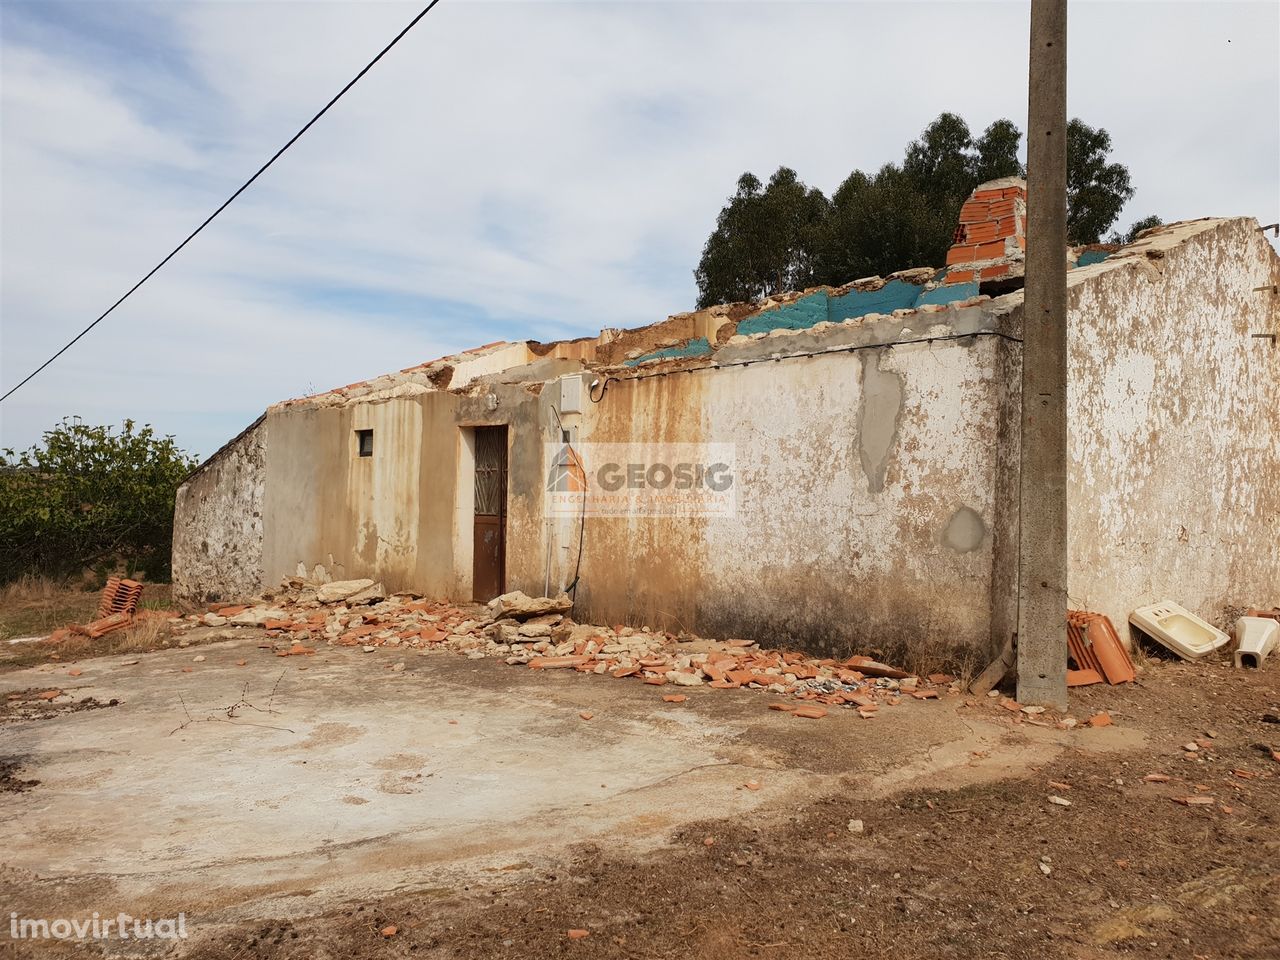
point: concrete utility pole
(1042, 563)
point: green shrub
(90, 497)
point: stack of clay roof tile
(119, 596)
(115, 610)
(1096, 649)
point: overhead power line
(226, 203)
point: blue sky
(511, 169)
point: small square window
(364, 442)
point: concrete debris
(535, 632)
(352, 591)
(520, 606)
(255, 617)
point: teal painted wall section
(948, 294)
(697, 347)
(799, 315)
(817, 307)
(894, 295)
(1091, 257)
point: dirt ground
(500, 849)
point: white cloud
(550, 168)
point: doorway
(489, 538)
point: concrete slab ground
(337, 772)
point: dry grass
(29, 589)
(143, 635)
(37, 606)
(146, 633)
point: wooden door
(489, 553)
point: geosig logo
(612, 477)
(641, 479)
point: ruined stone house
(876, 435)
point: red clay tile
(1082, 678)
(809, 712)
(548, 663)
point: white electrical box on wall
(571, 394)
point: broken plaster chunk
(340, 590)
(685, 679)
(256, 617)
(520, 606)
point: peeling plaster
(877, 418)
(1173, 489)
(965, 530)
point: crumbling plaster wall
(218, 522)
(332, 513)
(1174, 439)
(394, 516)
(865, 484)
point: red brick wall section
(991, 240)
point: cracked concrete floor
(339, 773)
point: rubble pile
(537, 632)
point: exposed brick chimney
(991, 240)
